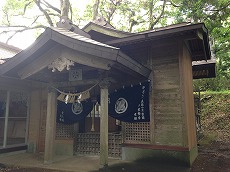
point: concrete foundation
(64, 147)
(175, 156)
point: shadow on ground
(146, 165)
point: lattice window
(89, 144)
(64, 131)
(137, 132)
(114, 145)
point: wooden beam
(40, 63)
(197, 54)
(133, 65)
(86, 59)
(75, 83)
(9, 83)
(106, 31)
(199, 35)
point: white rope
(73, 97)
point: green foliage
(219, 83)
(208, 138)
(216, 16)
(140, 15)
(14, 8)
(215, 113)
(88, 13)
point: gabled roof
(8, 51)
(196, 37)
(85, 48)
(102, 31)
(101, 21)
(67, 24)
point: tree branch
(71, 12)
(174, 4)
(38, 3)
(159, 17)
(35, 19)
(52, 7)
(25, 7)
(24, 28)
(7, 17)
(220, 9)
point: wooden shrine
(104, 59)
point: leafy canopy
(128, 15)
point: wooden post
(6, 119)
(50, 127)
(93, 116)
(151, 99)
(104, 124)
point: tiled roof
(7, 51)
(80, 38)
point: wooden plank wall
(37, 119)
(166, 97)
(187, 97)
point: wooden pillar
(151, 99)
(104, 124)
(93, 117)
(50, 126)
(6, 119)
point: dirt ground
(213, 157)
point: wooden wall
(171, 99)
(37, 120)
(189, 132)
(172, 106)
(166, 97)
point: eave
(204, 69)
(106, 30)
(34, 58)
(194, 35)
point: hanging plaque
(75, 75)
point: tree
(216, 16)
(132, 16)
(95, 9)
(129, 15)
(13, 10)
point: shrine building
(100, 91)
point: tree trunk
(65, 7)
(95, 9)
(152, 23)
